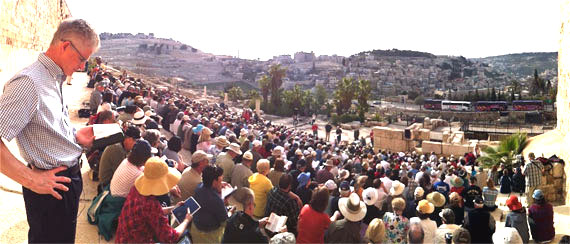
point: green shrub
(344, 118)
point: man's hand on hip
(45, 182)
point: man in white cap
(347, 230)
(242, 171)
(192, 176)
(225, 160)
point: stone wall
(26, 29)
(555, 142)
(394, 140)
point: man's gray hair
(76, 30)
(416, 233)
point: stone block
(416, 135)
(424, 134)
(445, 136)
(558, 183)
(380, 131)
(430, 146)
(346, 126)
(396, 134)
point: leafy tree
(493, 95)
(412, 95)
(420, 100)
(277, 74)
(362, 93)
(513, 94)
(293, 98)
(320, 95)
(344, 94)
(477, 97)
(235, 93)
(505, 153)
(253, 94)
(265, 86)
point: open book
(228, 191)
(275, 222)
(107, 134)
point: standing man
(328, 128)
(533, 175)
(338, 135)
(33, 111)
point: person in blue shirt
(441, 186)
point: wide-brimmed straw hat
(234, 147)
(397, 188)
(436, 198)
(457, 182)
(425, 207)
(328, 163)
(370, 196)
(248, 155)
(157, 178)
(352, 208)
(277, 151)
(139, 118)
(222, 141)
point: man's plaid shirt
(281, 204)
(533, 173)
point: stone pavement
(14, 227)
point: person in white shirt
(131, 167)
(448, 226)
(429, 227)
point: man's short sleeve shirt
(33, 111)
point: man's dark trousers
(52, 220)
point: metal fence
(506, 128)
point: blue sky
(264, 28)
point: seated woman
(210, 221)
(541, 218)
(490, 195)
(131, 168)
(313, 221)
(143, 220)
(172, 150)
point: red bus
(432, 104)
(491, 106)
(527, 105)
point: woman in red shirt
(313, 222)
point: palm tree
(505, 153)
(264, 85)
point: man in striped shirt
(33, 111)
(533, 176)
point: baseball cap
(344, 186)
(537, 194)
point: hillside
(521, 65)
(391, 72)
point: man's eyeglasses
(81, 58)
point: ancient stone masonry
(26, 28)
(556, 142)
(30, 24)
(445, 143)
